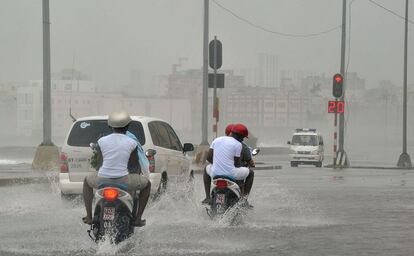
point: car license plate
(220, 198)
(109, 213)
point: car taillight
(64, 168)
(151, 160)
(220, 184)
(110, 194)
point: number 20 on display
(336, 106)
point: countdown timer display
(336, 106)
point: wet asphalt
(297, 211)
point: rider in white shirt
(224, 156)
(118, 163)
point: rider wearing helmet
(224, 156)
(117, 158)
(246, 159)
(246, 154)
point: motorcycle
(114, 211)
(226, 197)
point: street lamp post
(204, 122)
(47, 124)
(203, 148)
(405, 161)
(47, 154)
(343, 159)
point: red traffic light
(338, 78)
(338, 81)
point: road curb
(268, 167)
(23, 180)
(372, 167)
(257, 168)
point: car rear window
(85, 132)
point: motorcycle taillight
(110, 194)
(220, 184)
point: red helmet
(228, 129)
(240, 129)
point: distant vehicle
(154, 134)
(306, 147)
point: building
(8, 111)
(264, 110)
(71, 99)
(267, 70)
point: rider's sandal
(141, 224)
(206, 201)
(87, 220)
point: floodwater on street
(297, 211)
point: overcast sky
(110, 38)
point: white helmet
(119, 119)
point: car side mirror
(150, 152)
(188, 147)
(288, 142)
(321, 143)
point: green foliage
(94, 160)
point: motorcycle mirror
(93, 145)
(255, 151)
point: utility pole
(343, 159)
(405, 161)
(204, 122)
(47, 154)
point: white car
(170, 157)
(306, 147)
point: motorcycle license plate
(109, 213)
(220, 198)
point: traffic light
(338, 82)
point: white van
(306, 147)
(169, 160)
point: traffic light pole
(335, 134)
(405, 161)
(343, 159)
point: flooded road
(297, 211)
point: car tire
(318, 164)
(293, 164)
(191, 176)
(162, 187)
(67, 197)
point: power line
(272, 31)
(390, 11)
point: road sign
(336, 106)
(220, 81)
(218, 54)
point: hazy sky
(110, 38)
